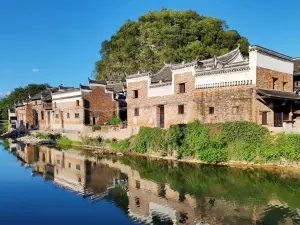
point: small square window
(69, 165)
(180, 109)
(182, 88)
(235, 110)
(77, 102)
(76, 115)
(136, 112)
(68, 115)
(77, 167)
(43, 115)
(136, 93)
(56, 116)
(211, 110)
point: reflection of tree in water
(159, 219)
(276, 215)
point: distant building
(12, 118)
(71, 109)
(220, 89)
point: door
(48, 117)
(278, 119)
(161, 116)
(62, 119)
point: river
(43, 185)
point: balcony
(47, 106)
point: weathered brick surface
(229, 103)
(101, 104)
(148, 106)
(264, 79)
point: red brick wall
(264, 79)
(101, 105)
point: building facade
(220, 89)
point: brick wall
(102, 107)
(264, 79)
(148, 106)
(228, 103)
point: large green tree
(165, 36)
(19, 94)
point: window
(137, 184)
(68, 115)
(58, 161)
(76, 115)
(55, 106)
(56, 116)
(136, 93)
(235, 110)
(182, 88)
(264, 118)
(211, 110)
(77, 167)
(69, 165)
(77, 102)
(136, 112)
(283, 85)
(181, 109)
(274, 82)
(137, 202)
(43, 115)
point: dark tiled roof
(278, 94)
(103, 82)
(115, 87)
(297, 67)
(85, 87)
(164, 75)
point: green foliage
(237, 141)
(114, 121)
(50, 136)
(67, 142)
(92, 141)
(19, 94)
(120, 146)
(165, 36)
(150, 140)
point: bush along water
(214, 143)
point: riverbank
(236, 144)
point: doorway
(161, 116)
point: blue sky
(57, 41)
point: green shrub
(245, 131)
(292, 147)
(196, 139)
(175, 137)
(92, 141)
(121, 145)
(150, 140)
(114, 121)
(213, 155)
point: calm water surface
(42, 185)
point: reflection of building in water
(145, 200)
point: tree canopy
(19, 94)
(165, 36)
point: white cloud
(2, 95)
(36, 70)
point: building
(105, 100)
(297, 75)
(12, 118)
(221, 89)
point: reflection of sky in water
(127, 190)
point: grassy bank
(215, 143)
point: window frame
(136, 112)
(211, 110)
(77, 103)
(135, 93)
(75, 115)
(181, 88)
(181, 109)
